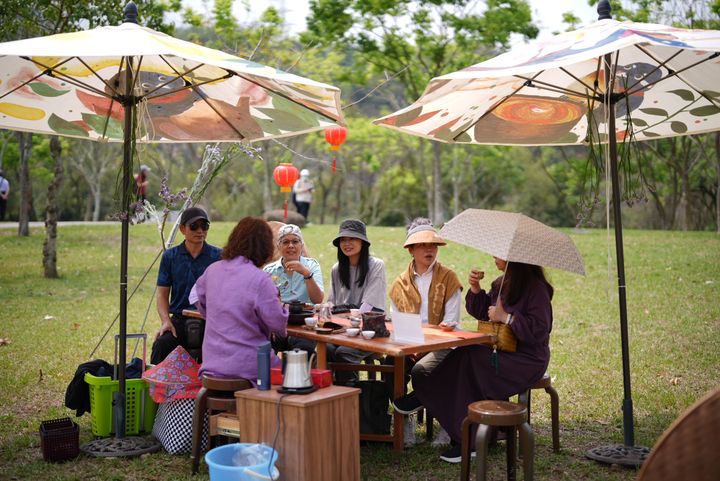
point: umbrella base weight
(121, 447)
(632, 456)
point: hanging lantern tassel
(285, 208)
(335, 136)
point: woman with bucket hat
(357, 281)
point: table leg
(398, 391)
(321, 349)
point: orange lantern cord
(335, 136)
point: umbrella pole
(121, 445)
(127, 162)
(627, 454)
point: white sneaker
(441, 438)
(410, 431)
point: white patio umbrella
(131, 84)
(608, 82)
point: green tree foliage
(417, 39)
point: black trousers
(190, 332)
(3, 206)
(303, 208)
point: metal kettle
(296, 369)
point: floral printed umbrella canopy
(608, 82)
(74, 85)
(544, 93)
(132, 84)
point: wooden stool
(499, 414)
(216, 395)
(546, 384)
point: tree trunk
(717, 191)
(51, 212)
(325, 193)
(339, 198)
(88, 212)
(97, 201)
(267, 194)
(427, 180)
(438, 208)
(25, 146)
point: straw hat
(423, 234)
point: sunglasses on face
(200, 224)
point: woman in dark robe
(521, 298)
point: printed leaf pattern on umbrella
(545, 93)
(70, 84)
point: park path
(14, 225)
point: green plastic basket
(140, 409)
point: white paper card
(407, 328)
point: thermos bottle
(263, 362)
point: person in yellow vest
(427, 288)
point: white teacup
(355, 321)
(310, 321)
(355, 313)
(352, 331)
(368, 334)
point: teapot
(296, 370)
(295, 307)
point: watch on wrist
(308, 277)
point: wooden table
(435, 339)
(319, 435)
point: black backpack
(374, 401)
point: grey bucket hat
(351, 228)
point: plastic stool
(487, 414)
(546, 384)
(216, 395)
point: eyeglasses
(288, 242)
(200, 224)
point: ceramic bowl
(368, 334)
(310, 321)
(352, 331)
(354, 312)
(355, 321)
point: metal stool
(215, 396)
(499, 414)
(546, 384)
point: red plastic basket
(59, 440)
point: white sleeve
(452, 308)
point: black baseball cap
(192, 214)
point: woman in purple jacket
(240, 303)
(521, 298)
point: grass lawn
(673, 283)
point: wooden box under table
(319, 436)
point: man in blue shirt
(180, 267)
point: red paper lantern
(285, 176)
(335, 136)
